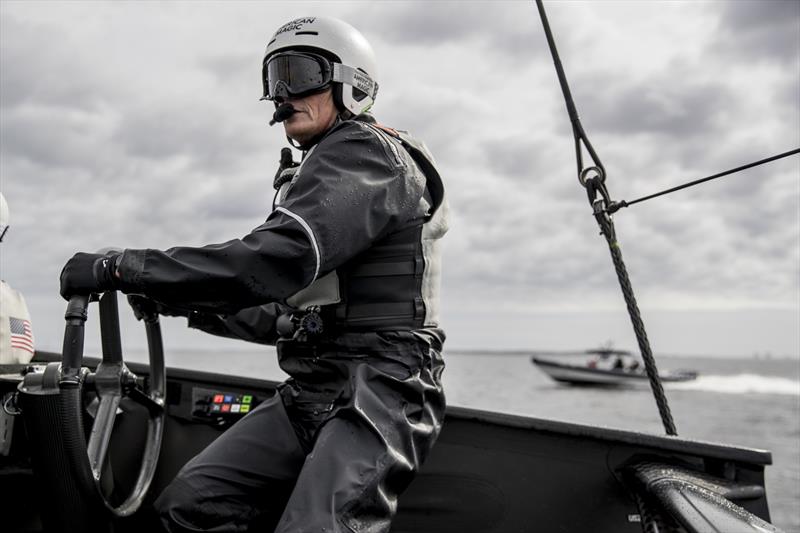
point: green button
(247, 399)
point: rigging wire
(593, 179)
(615, 206)
(581, 139)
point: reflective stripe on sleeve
(306, 227)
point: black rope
(607, 227)
(615, 206)
(593, 179)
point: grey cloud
(696, 240)
(528, 162)
(765, 29)
(421, 23)
(34, 72)
(197, 208)
(449, 122)
(521, 44)
(663, 107)
(536, 260)
(247, 200)
(698, 244)
(509, 236)
(513, 158)
(787, 97)
(505, 30)
(225, 67)
(106, 142)
(211, 141)
(761, 211)
(700, 248)
(46, 137)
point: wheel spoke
(153, 403)
(101, 432)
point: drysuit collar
(305, 147)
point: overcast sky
(138, 125)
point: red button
(226, 408)
(218, 398)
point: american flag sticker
(21, 335)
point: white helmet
(352, 59)
(4, 218)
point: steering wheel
(112, 381)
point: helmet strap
(294, 144)
(356, 78)
(337, 97)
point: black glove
(89, 273)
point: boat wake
(741, 384)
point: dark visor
(295, 74)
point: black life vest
(394, 284)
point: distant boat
(607, 368)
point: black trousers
(330, 452)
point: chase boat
(606, 368)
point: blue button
(228, 398)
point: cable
(615, 206)
(577, 128)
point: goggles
(295, 74)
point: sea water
(745, 402)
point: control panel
(221, 406)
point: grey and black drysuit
(356, 232)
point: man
(16, 336)
(343, 276)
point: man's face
(315, 114)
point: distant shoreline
(574, 353)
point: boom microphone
(283, 112)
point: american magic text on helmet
(296, 24)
